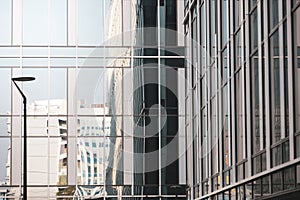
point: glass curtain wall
(248, 105)
(105, 120)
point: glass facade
(151, 99)
(242, 98)
(106, 111)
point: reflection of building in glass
(47, 158)
(93, 149)
(242, 117)
(156, 106)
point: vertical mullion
(246, 101)
(190, 119)
(290, 82)
(132, 88)
(49, 95)
(106, 100)
(233, 116)
(159, 99)
(199, 84)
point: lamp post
(14, 80)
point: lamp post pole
(23, 79)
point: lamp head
(23, 79)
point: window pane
(239, 93)
(5, 124)
(224, 21)
(255, 105)
(90, 86)
(273, 13)
(257, 164)
(90, 22)
(150, 22)
(38, 89)
(168, 20)
(297, 144)
(5, 21)
(289, 178)
(275, 87)
(241, 192)
(35, 24)
(37, 157)
(58, 89)
(226, 141)
(239, 50)
(194, 52)
(204, 141)
(203, 39)
(4, 160)
(94, 157)
(213, 39)
(277, 12)
(213, 80)
(238, 10)
(214, 136)
(285, 152)
(240, 172)
(257, 188)
(254, 30)
(263, 161)
(265, 186)
(276, 156)
(225, 67)
(58, 22)
(298, 176)
(5, 83)
(276, 182)
(253, 3)
(296, 26)
(203, 92)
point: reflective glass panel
(255, 104)
(225, 21)
(275, 89)
(239, 116)
(90, 22)
(35, 24)
(5, 160)
(254, 30)
(5, 83)
(5, 21)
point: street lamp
(14, 80)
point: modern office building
(126, 55)
(242, 99)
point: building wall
(242, 100)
